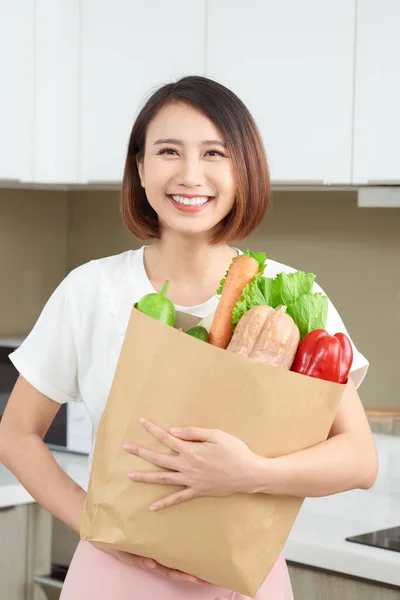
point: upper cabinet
(39, 99)
(129, 48)
(56, 158)
(292, 64)
(17, 94)
(377, 93)
(322, 80)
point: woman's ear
(140, 168)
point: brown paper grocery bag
(176, 380)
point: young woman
(196, 178)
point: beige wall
(33, 254)
(354, 252)
(95, 227)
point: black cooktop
(389, 539)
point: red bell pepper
(324, 356)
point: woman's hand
(148, 563)
(209, 462)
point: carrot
(239, 275)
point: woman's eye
(217, 152)
(164, 150)
(168, 150)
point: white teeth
(190, 201)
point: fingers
(163, 477)
(165, 461)
(177, 498)
(161, 435)
(155, 567)
(173, 574)
(195, 434)
(151, 564)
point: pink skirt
(95, 575)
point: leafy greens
(294, 290)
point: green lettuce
(293, 290)
(256, 293)
(288, 287)
(309, 312)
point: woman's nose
(191, 173)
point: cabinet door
(56, 91)
(13, 552)
(377, 93)
(291, 63)
(315, 584)
(130, 48)
(17, 89)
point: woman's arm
(346, 460)
(25, 422)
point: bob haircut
(244, 144)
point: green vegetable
(199, 332)
(286, 288)
(158, 306)
(294, 290)
(256, 293)
(260, 258)
(309, 312)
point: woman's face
(189, 180)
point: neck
(187, 261)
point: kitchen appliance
(71, 429)
(389, 539)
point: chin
(191, 231)
(190, 227)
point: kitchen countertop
(12, 492)
(317, 538)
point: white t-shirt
(72, 351)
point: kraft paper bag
(174, 379)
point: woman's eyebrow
(180, 142)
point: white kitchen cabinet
(25, 551)
(17, 90)
(128, 49)
(377, 93)
(13, 552)
(56, 158)
(39, 48)
(292, 64)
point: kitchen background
(322, 80)
(355, 253)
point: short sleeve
(47, 358)
(334, 324)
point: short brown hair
(244, 143)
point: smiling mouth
(182, 201)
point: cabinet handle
(383, 181)
(49, 582)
